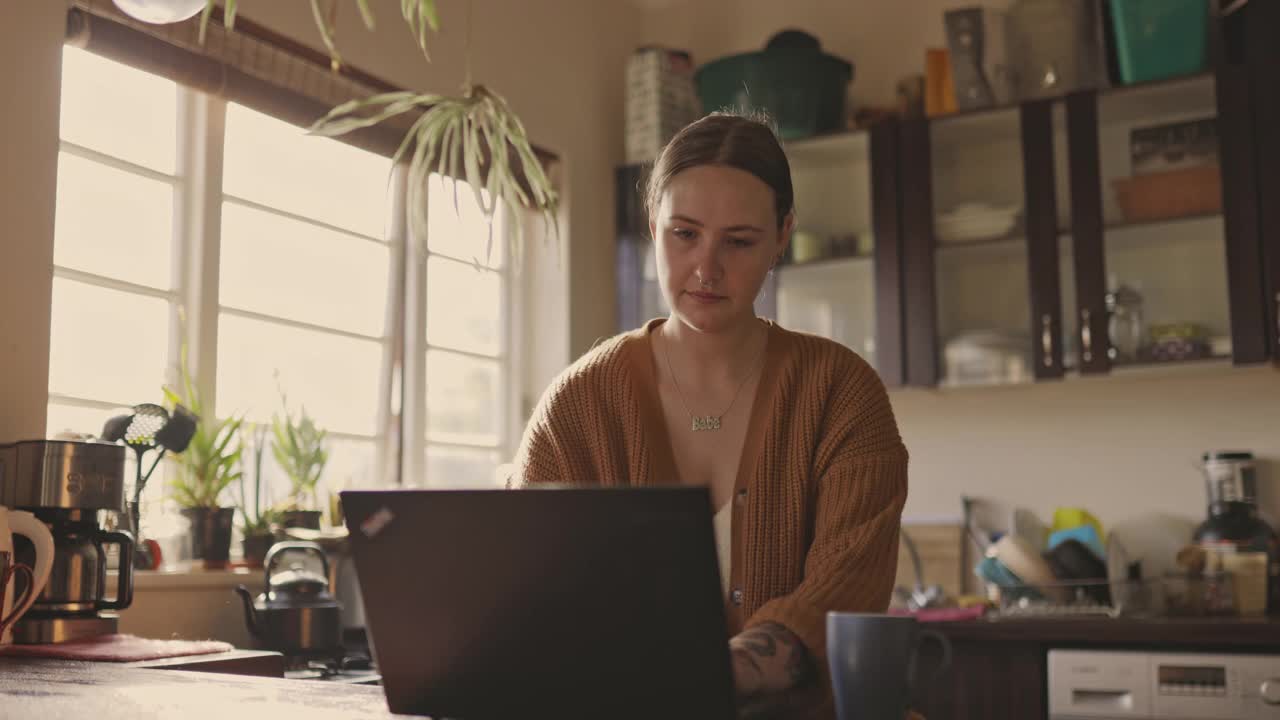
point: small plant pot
(255, 548)
(210, 535)
(309, 519)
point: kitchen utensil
(1071, 560)
(1024, 560)
(1085, 534)
(149, 427)
(296, 614)
(1234, 530)
(67, 486)
(23, 601)
(1026, 525)
(14, 604)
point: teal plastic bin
(1157, 39)
(799, 86)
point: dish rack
(1089, 598)
(1209, 595)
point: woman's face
(716, 235)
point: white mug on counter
(12, 608)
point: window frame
(195, 306)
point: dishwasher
(1113, 684)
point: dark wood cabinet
(999, 669)
(1049, 285)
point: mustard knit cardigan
(819, 491)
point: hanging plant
(476, 137)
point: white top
(722, 522)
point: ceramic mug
(872, 659)
(17, 522)
(7, 570)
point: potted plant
(210, 464)
(299, 447)
(257, 526)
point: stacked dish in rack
(974, 222)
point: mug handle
(29, 526)
(19, 605)
(943, 666)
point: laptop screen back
(577, 602)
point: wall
(31, 53)
(1123, 446)
(558, 62)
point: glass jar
(1124, 323)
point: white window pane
(286, 268)
(455, 467)
(277, 164)
(106, 344)
(351, 464)
(464, 306)
(461, 231)
(77, 419)
(113, 223)
(462, 399)
(118, 110)
(335, 377)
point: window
(297, 292)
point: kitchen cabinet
(999, 669)
(1031, 243)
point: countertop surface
(1262, 634)
(73, 690)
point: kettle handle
(269, 565)
(124, 575)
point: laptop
(548, 602)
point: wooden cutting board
(941, 544)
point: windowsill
(192, 576)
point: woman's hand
(767, 659)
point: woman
(793, 434)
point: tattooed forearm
(778, 657)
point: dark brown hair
(743, 142)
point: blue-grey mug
(872, 658)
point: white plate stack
(974, 222)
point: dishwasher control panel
(1107, 684)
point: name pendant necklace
(705, 422)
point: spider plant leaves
(421, 15)
(326, 27)
(475, 138)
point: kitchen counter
(71, 690)
(1234, 634)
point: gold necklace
(706, 422)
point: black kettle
(296, 614)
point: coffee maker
(72, 487)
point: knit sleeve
(861, 476)
(542, 456)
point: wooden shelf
(1118, 105)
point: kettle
(296, 613)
